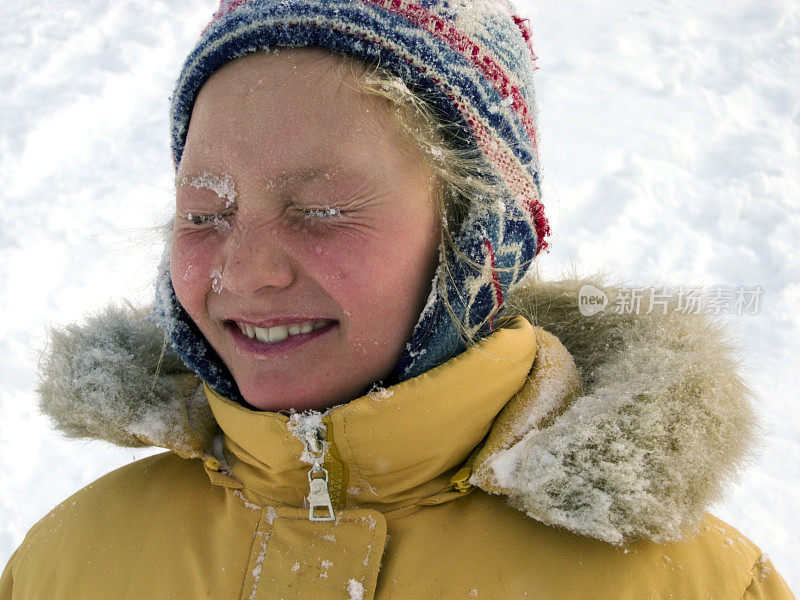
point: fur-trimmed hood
(634, 440)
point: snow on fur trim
(663, 422)
(110, 379)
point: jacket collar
(390, 448)
(627, 427)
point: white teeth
(280, 332)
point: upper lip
(264, 323)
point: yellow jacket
(598, 453)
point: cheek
(380, 279)
(191, 264)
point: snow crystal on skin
(222, 225)
(355, 589)
(473, 593)
(222, 186)
(295, 567)
(187, 271)
(329, 537)
(216, 280)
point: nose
(254, 261)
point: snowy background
(670, 155)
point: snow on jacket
(607, 436)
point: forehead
(299, 102)
(294, 83)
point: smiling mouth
(278, 333)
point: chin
(283, 398)
(280, 396)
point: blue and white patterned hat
(474, 60)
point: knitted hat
(474, 61)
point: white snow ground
(669, 147)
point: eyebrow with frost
(224, 187)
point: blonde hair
(464, 178)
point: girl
(345, 364)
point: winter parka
(572, 459)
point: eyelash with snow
(322, 213)
(203, 219)
(219, 221)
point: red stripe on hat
(221, 12)
(469, 49)
(525, 28)
(519, 181)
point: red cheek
(336, 263)
(191, 263)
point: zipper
(311, 431)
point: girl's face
(303, 217)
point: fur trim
(634, 439)
(663, 423)
(111, 379)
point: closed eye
(200, 220)
(327, 212)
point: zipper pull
(460, 479)
(319, 498)
(310, 430)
